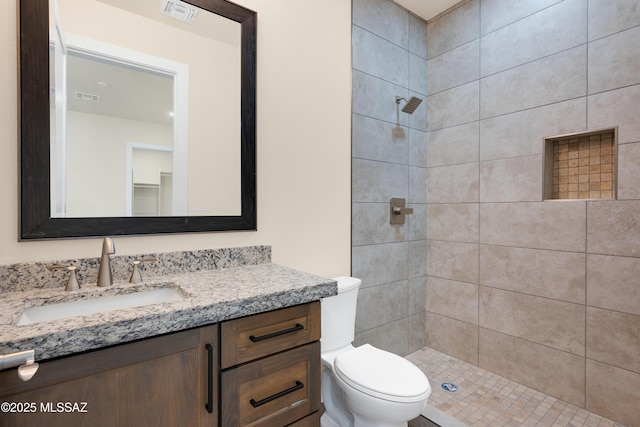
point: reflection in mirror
(119, 88)
(149, 116)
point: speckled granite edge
(212, 296)
(34, 275)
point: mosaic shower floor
(486, 399)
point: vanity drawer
(252, 337)
(273, 391)
(312, 420)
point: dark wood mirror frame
(35, 195)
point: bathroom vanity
(242, 348)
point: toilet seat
(382, 374)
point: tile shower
(543, 292)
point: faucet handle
(136, 276)
(72, 284)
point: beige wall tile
(551, 371)
(416, 223)
(379, 57)
(391, 337)
(379, 264)
(384, 18)
(613, 338)
(453, 299)
(454, 337)
(417, 36)
(605, 20)
(533, 270)
(544, 225)
(613, 228)
(382, 304)
(453, 29)
(552, 274)
(457, 222)
(373, 139)
(369, 225)
(610, 65)
(517, 179)
(551, 79)
(522, 133)
(453, 260)
(554, 29)
(417, 337)
(500, 13)
(418, 80)
(629, 171)
(453, 145)
(417, 295)
(612, 283)
(453, 68)
(454, 106)
(416, 260)
(417, 185)
(375, 181)
(613, 392)
(616, 108)
(417, 147)
(545, 321)
(453, 184)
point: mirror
(91, 168)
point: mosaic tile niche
(581, 166)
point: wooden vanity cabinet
(271, 368)
(168, 380)
(259, 370)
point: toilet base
(359, 422)
(327, 421)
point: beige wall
(542, 292)
(303, 145)
(96, 148)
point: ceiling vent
(179, 10)
(82, 96)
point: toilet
(363, 386)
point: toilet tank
(338, 315)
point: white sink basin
(70, 309)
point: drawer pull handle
(298, 327)
(298, 386)
(209, 404)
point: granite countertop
(210, 296)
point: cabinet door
(160, 381)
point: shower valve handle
(398, 210)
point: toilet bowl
(364, 386)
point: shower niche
(581, 165)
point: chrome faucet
(105, 277)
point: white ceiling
(427, 9)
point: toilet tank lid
(347, 283)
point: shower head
(410, 105)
